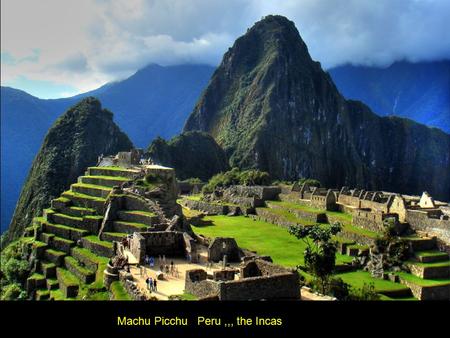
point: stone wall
(98, 248)
(371, 220)
(197, 284)
(266, 216)
(379, 207)
(260, 192)
(272, 282)
(293, 197)
(155, 243)
(419, 220)
(349, 200)
(131, 286)
(224, 275)
(360, 239)
(282, 286)
(428, 293)
(208, 208)
(221, 246)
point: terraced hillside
(70, 253)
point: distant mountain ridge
(418, 91)
(271, 107)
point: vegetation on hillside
(191, 154)
(14, 269)
(237, 177)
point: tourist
(150, 284)
(154, 286)
(147, 282)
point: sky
(59, 48)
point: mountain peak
(271, 107)
(73, 143)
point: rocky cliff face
(73, 143)
(192, 154)
(270, 106)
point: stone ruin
(125, 159)
(370, 210)
(255, 279)
(224, 247)
(233, 200)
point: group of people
(152, 284)
(169, 269)
(149, 260)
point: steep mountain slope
(270, 106)
(192, 154)
(154, 101)
(74, 142)
(419, 91)
(24, 121)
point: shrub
(254, 177)
(193, 180)
(311, 181)
(336, 287)
(367, 292)
(13, 292)
(15, 270)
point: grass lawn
(288, 216)
(357, 279)
(423, 282)
(196, 197)
(94, 239)
(296, 206)
(342, 216)
(262, 237)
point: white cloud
(86, 43)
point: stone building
(221, 247)
(255, 280)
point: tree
(320, 252)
